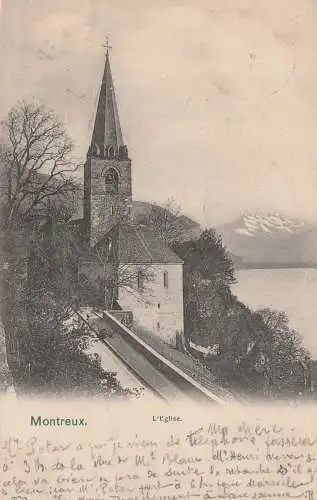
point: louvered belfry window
(112, 181)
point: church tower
(107, 173)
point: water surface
(291, 290)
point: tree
(208, 257)
(282, 357)
(56, 343)
(36, 166)
(208, 274)
(64, 264)
(110, 275)
(5, 375)
(164, 221)
(53, 261)
(59, 359)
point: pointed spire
(107, 130)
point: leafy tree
(208, 257)
(261, 353)
(56, 351)
(53, 261)
(258, 350)
(208, 273)
(59, 362)
(5, 375)
(281, 357)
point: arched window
(165, 279)
(112, 181)
(111, 152)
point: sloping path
(189, 365)
(131, 366)
(165, 377)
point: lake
(291, 290)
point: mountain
(270, 240)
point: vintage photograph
(158, 200)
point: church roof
(139, 245)
(107, 129)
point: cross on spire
(107, 131)
(106, 44)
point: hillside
(254, 240)
(271, 240)
(189, 228)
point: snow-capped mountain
(268, 223)
(270, 240)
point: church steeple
(107, 139)
(108, 182)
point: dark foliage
(39, 279)
(59, 362)
(255, 350)
(208, 257)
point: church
(144, 275)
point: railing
(185, 381)
(125, 317)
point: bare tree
(136, 279)
(36, 165)
(164, 220)
(131, 277)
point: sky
(217, 98)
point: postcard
(158, 249)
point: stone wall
(157, 308)
(103, 208)
(125, 317)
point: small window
(159, 306)
(111, 210)
(165, 279)
(140, 280)
(158, 326)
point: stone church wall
(107, 208)
(157, 308)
